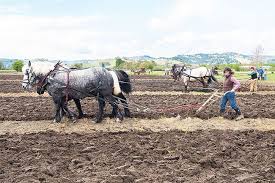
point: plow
(213, 98)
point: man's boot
(222, 113)
(239, 115)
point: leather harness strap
(67, 86)
(41, 82)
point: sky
(92, 29)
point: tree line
(16, 65)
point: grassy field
(238, 75)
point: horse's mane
(43, 68)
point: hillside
(203, 58)
(200, 58)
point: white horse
(197, 74)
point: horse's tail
(209, 81)
(124, 81)
(212, 78)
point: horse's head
(36, 73)
(183, 68)
(215, 70)
(176, 71)
(28, 76)
(40, 90)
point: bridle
(42, 83)
(27, 81)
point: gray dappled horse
(124, 84)
(177, 71)
(64, 84)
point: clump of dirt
(199, 156)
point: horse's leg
(112, 101)
(126, 108)
(185, 82)
(113, 111)
(62, 112)
(214, 79)
(71, 115)
(79, 108)
(58, 106)
(186, 86)
(203, 83)
(101, 105)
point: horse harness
(42, 82)
(67, 87)
(197, 78)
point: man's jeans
(229, 96)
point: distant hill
(200, 58)
(203, 58)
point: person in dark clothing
(230, 86)
(253, 79)
(260, 73)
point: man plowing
(230, 86)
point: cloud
(7, 9)
(184, 27)
(214, 26)
(213, 42)
(180, 13)
(64, 37)
(52, 37)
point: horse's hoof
(118, 120)
(80, 116)
(97, 120)
(56, 121)
(74, 120)
(127, 114)
(112, 116)
(119, 117)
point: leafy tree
(2, 66)
(119, 62)
(150, 65)
(78, 66)
(236, 67)
(17, 65)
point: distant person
(167, 72)
(149, 71)
(265, 74)
(260, 73)
(230, 86)
(253, 79)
